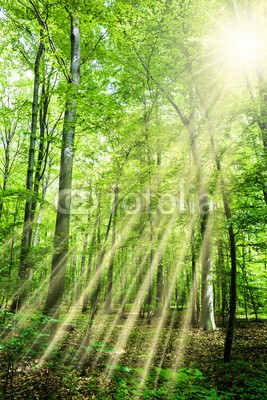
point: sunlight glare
(243, 45)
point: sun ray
(187, 317)
(160, 325)
(128, 226)
(128, 326)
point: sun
(239, 43)
(242, 46)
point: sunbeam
(176, 272)
(127, 227)
(128, 326)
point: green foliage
(99, 347)
(239, 380)
(184, 384)
(138, 59)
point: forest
(133, 199)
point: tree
(154, 35)
(57, 278)
(26, 235)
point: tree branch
(44, 25)
(86, 58)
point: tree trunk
(59, 262)
(207, 318)
(113, 241)
(83, 258)
(89, 267)
(263, 119)
(227, 211)
(223, 285)
(207, 309)
(194, 279)
(6, 141)
(25, 241)
(99, 268)
(160, 271)
(231, 321)
(244, 273)
(151, 257)
(40, 168)
(148, 299)
(45, 185)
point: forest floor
(185, 363)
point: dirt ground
(142, 345)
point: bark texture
(26, 233)
(231, 235)
(59, 262)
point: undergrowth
(202, 376)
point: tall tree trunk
(83, 259)
(207, 308)
(89, 267)
(160, 271)
(25, 241)
(113, 241)
(160, 285)
(11, 253)
(263, 118)
(45, 185)
(148, 299)
(7, 137)
(227, 211)
(6, 141)
(40, 168)
(151, 257)
(194, 279)
(245, 278)
(223, 285)
(99, 267)
(59, 262)
(6, 171)
(231, 321)
(73, 270)
(124, 277)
